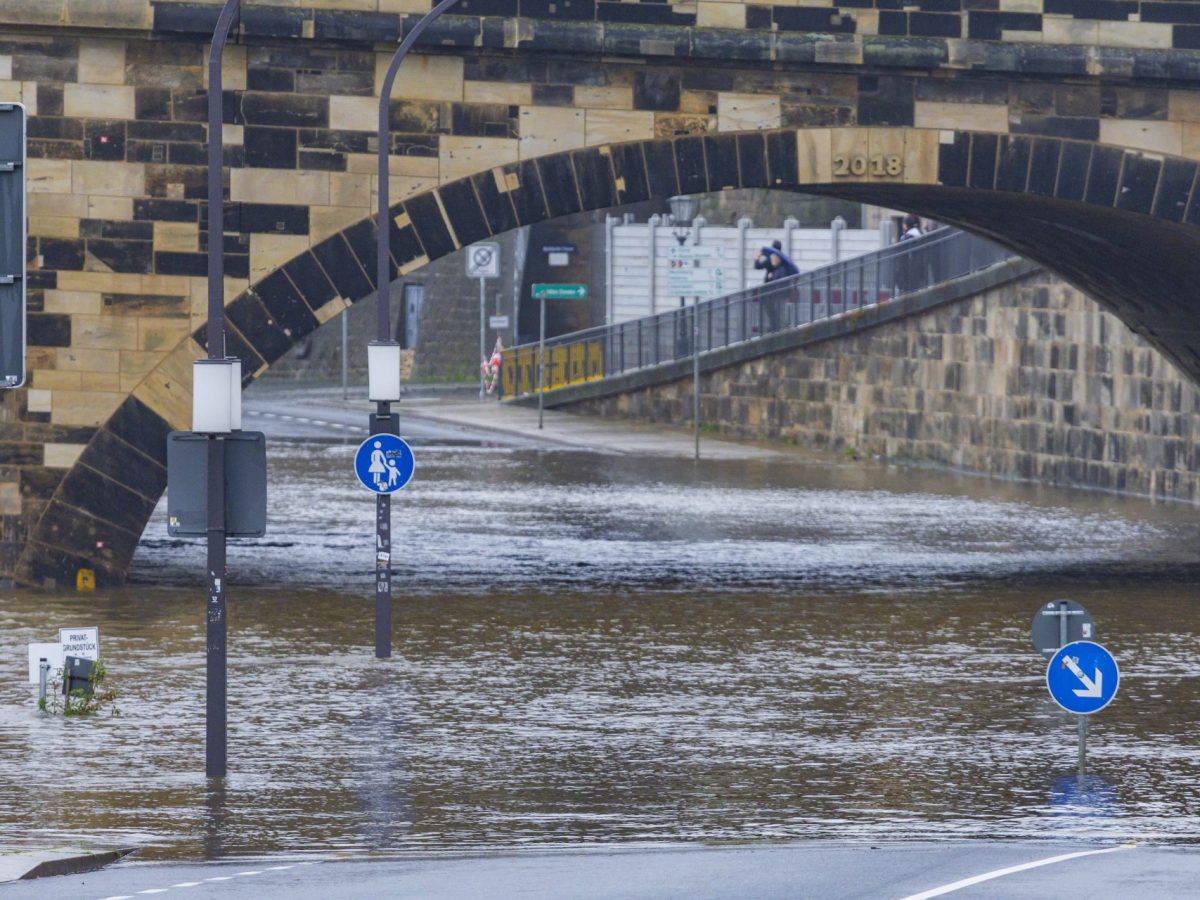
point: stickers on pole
(384, 463)
(1083, 677)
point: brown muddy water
(598, 649)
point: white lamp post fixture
(683, 211)
(216, 396)
(383, 372)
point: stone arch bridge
(1068, 130)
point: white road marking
(1011, 870)
(187, 884)
(305, 419)
(286, 418)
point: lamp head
(684, 208)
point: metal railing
(778, 306)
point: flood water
(596, 649)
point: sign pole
(383, 254)
(384, 464)
(216, 676)
(13, 285)
(1083, 729)
(696, 373)
(383, 580)
(482, 337)
(1082, 678)
(345, 355)
(215, 708)
(541, 358)
(483, 262)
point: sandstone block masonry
(1077, 128)
(1030, 380)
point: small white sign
(52, 653)
(483, 260)
(690, 252)
(695, 281)
(559, 259)
(81, 642)
(497, 321)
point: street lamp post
(383, 353)
(216, 411)
(683, 211)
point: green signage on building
(560, 292)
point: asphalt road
(766, 872)
(323, 415)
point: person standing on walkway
(908, 268)
(763, 260)
(778, 267)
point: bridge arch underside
(1137, 266)
(1117, 223)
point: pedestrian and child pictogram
(384, 463)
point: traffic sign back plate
(245, 484)
(1047, 625)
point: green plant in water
(79, 702)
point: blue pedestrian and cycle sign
(384, 463)
(1082, 677)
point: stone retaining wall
(1029, 380)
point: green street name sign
(560, 292)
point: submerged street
(604, 651)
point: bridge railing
(795, 302)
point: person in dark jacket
(908, 274)
(912, 228)
(777, 266)
(763, 260)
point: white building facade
(644, 260)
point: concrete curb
(60, 861)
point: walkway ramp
(946, 264)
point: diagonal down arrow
(1090, 688)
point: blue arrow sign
(1082, 677)
(384, 463)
